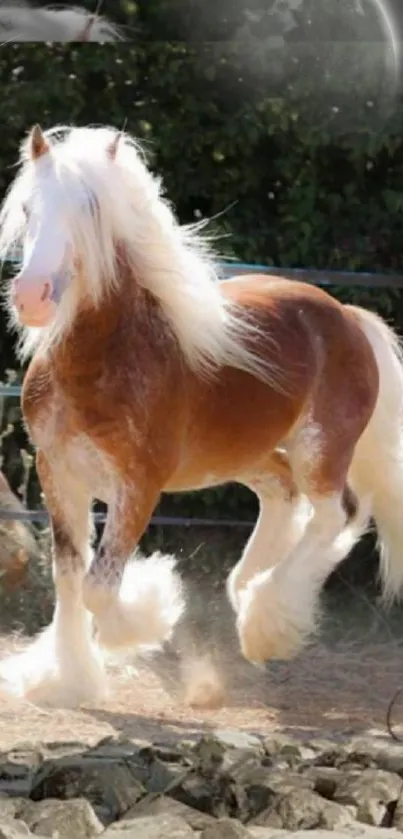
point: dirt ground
(340, 692)
(340, 686)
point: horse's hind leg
(62, 667)
(278, 608)
(283, 516)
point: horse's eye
(25, 210)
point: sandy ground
(342, 692)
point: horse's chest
(71, 452)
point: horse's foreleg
(63, 666)
(137, 602)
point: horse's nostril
(46, 292)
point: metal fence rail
(346, 279)
(315, 276)
(42, 516)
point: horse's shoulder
(38, 386)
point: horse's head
(57, 210)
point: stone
(162, 804)
(390, 758)
(233, 739)
(397, 814)
(150, 827)
(108, 785)
(17, 770)
(14, 829)
(208, 754)
(324, 779)
(372, 812)
(355, 832)
(225, 829)
(372, 791)
(64, 819)
(116, 746)
(168, 753)
(11, 807)
(287, 781)
(59, 749)
(162, 776)
(303, 809)
(281, 745)
(359, 831)
(213, 796)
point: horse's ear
(112, 148)
(37, 144)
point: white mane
(21, 22)
(170, 260)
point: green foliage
(292, 145)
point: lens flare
(390, 30)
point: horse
(22, 22)
(149, 374)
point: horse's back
(295, 313)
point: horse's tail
(377, 467)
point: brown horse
(149, 376)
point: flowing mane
(123, 203)
(19, 21)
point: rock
(225, 829)
(334, 757)
(324, 779)
(287, 781)
(233, 739)
(207, 755)
(14, 829)
(167, 753)
(397, 814)
(372, 812)
(360, 831)
(11, 808)
(119, 747)
(108, 785)
(227, 785)
(213, 796)
(372, 791)
(281, 745)
(390, 758)
(241, 765)
(150, 827)
(161, 777)
(64, 819)
(162, 804)
(59, 749)
(356, 832)
(303, 809)
(17, 770)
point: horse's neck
(127, 330)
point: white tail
(377, 467)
